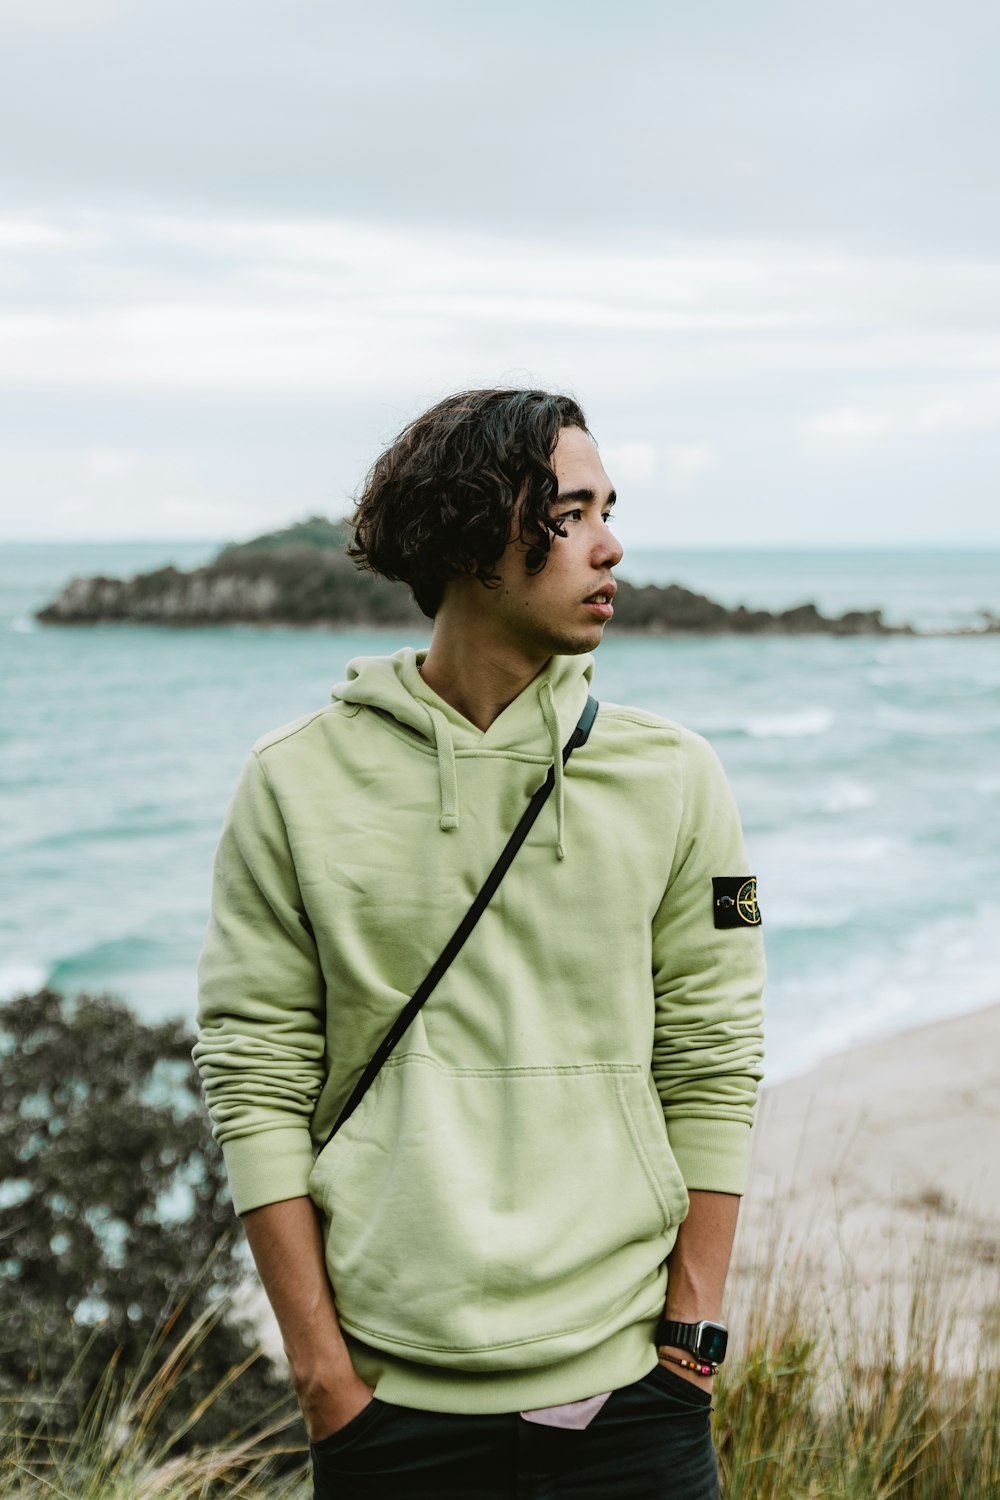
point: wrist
(324, 1371)
(702, 1342)
(686, 1363)
(312, 1338)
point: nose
(608, 550)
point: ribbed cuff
(713, 1155)
(269, 1166)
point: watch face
(712, 1341)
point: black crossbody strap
(454, 944)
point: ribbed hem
(712, 1154)
(269, 1166)
(627, 1356)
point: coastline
(876, 1174)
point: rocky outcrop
(302, 576)
(167, 597)
(677, 610)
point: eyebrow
(586, 495)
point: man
(471, 1278)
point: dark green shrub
(116, 1231)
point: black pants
(650, 1441)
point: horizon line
(966, 545)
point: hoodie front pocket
(473, 1210)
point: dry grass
(813, 1407)
(118, 1448)
(838, 1401)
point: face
(563, 609)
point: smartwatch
(706, 1341)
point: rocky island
(302, 576)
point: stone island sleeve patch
(734, 901)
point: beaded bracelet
(690, 1364)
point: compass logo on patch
(734, 901)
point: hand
(703, 1382)
(328, 1405)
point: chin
(578, 645)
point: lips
(603, 595)
(599, 603)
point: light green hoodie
(499, 1208)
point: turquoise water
(868, 772)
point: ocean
(867, 772)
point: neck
(474, 671)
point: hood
(539, 720)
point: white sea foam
(793, 858)
(795, 725)
(21, 979)
(807, 885)
(948, 968)
(844, 795)
(790, 724)
(787, 912)
(24, 625)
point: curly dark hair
(440, 502)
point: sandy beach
(878, 1162)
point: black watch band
(706, 1340)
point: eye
(608, 517)
(570, 515)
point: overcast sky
(243, 241)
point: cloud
(110, 463)
(847, 426)
(224, 355)
(721, 121)
(630, 461)
(687, 460)
(233, 303)
(58, 15)
(962, 407)
(118, 299)
(26, 234)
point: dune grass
(117, 1445)
(862, 1398)
(805, 1411)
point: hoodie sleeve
(707, 1048)
(261, 1005)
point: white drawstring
(444, 746)
(447, 774)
